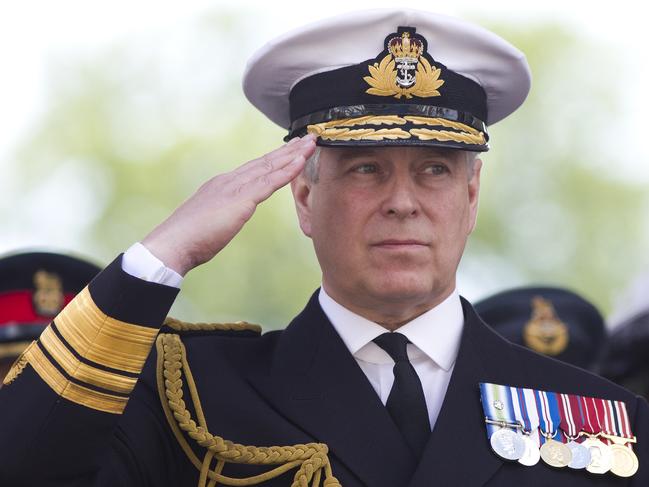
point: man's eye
(436, 169)
(366, 168)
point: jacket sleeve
(63, 399)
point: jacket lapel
(458, 449)
(316, 384)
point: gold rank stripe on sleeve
(104, 340)
(69, 390)
(90, 358)
(111, 381)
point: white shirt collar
(436, 333)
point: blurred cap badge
(35, 287)
(48, 294)
(545, 332)
(550, 320)
(404, 71)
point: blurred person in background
(552, 321)
(378, 381)
(35, 287)
(627, 358)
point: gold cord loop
(311, 459)
(185, 326)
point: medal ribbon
(617, 424)
(568, 421)
(625, 426)
(623, 420)
(528, 398)
(555, 414)
(529, 421)
(520, 410)
(545, 419)
(593, 423)
(611, 425)
(577, 413)
(602, 418)
(497, 405)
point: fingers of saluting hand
(276, 159)
(267, 174)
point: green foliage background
(141, 128)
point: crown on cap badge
(406, 54)
(404, 71)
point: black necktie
(406, 403)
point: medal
(572, 422)
(580, 455)
(554, 453)
(507, 444)
(564, 430)
(601, 457)
(624, 462)
(531, 455)
(600, 454)
(529, 418)
(499, 413)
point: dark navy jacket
(287, 387)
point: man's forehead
(351, 153)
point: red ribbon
(625, 426)
(566, 414)
(592, 424)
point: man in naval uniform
(376, 382)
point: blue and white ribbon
(497, 406)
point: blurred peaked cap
(34, 287)
(627, 358)
(389, 77)
(549, 320)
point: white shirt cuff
(139, 262)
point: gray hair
(311, 168)
(470, 163)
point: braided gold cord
(185, 326)
(311, 458)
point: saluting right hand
(204, 224)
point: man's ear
(301, 188)
(474, 193)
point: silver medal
(507, 444)
(580, 455)
(601, 456)
(531, 455)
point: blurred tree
(142, 125)
(554, 206)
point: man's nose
(400, 197)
